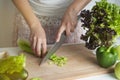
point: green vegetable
(22, 75)
(59, 61)
(106, 57)
(4, 77)
(102, 24)
(35, 79)
(117, 70)
(118, 51)
(12, 64)
(113, 14)
(25, 46)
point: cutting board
(81, 63)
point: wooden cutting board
(81, 63)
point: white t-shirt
(50, 7)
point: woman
(44, 20)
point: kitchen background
(7, 16)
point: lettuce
(12, 64)
(102, 24)
(113, 14)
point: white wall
(7, 12)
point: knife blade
(54, 48)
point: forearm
(24, 7)
(78, 5)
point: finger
(72, 29)
(73, 26)
(44, 48)
(68, 29)
(31, 40)
(34, 40)
(38, 47)
(61, 30)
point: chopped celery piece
(59, 61)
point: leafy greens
(102, 24)
(12, 64)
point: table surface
(109, 76)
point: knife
(54, 48)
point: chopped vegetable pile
(102, 24)
(117, 71)
(12, 64)
(59, 61)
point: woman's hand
(37, 37)
(70, 17)
(38, 40)
(68, 23)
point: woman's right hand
(38, 39)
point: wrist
(35, 23)
(72, 11)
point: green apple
(117, 70)
(118, 51)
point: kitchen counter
(107, 76)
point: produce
(118, 51)
(12, 68)
(12, 64)
(4, 77)
(117, 70)
(102, 24)
(22, 75)
(59, 61)
(106, 57)
(25, 46)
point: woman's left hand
(68, 24)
